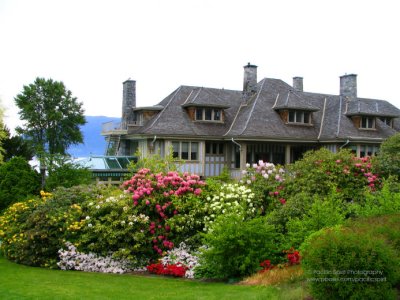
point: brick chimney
(298, 83)
(128, 101)
(348, 86)
(249, 79)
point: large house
(269, 120)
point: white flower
(87, 218)
(91, 203)
(90, 225)
(130, 223)
(122, 222)
(248, 181)
(98, 206)
(247, 165)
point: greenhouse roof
(106, 162)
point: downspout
(236, 143)
(345, 144)
(153, 141)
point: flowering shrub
(266, 180)
(71, 259)
(154, 196)
(293, 256)
(180, 256)
(231, 199)
(176, 270)
(111, 224)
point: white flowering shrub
(235, 199)
(267, 181)
(181, 256)
(72, 259)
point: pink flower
(147, 202)
(197, 191)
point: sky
(94, 46)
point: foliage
(3, 134)
(154, 162)
(33, 231)
(111, 224)
(63, 172)
(16, 146)
(52, 116)
(267, 182)
(229, 199)
(351, 263)
(321, 171)
(71, 259)
(234, 247)
(154, 195)
(385, 201)
(322, 213)
(18, 181)
(388, 160)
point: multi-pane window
(185, 150)
(215, 148)
(388, 121)
(367, 123)
(208, 114)
(299, 116)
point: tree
(17, 181)
(2, 134)
(52, 117)
(388, 160)
(16, 146)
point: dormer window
(387, 120)
(299, 117)
(208, 114)
(367, 123)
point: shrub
(388, 159)
(181, 256)
(235, 247)
(71, 259)
(350, 263)
(321, 171)
(33, 231)
(66, 174)
(18, 181)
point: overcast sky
(93, 46)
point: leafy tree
(16, 146)
(52, 116)
(2, 134)
(17, 181)
(388, 159)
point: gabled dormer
(294, 109)
(142, 114)
(366, 114)
(206, 113)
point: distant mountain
(94, 142)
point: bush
(351, 262)
(33, 231)
(388, 160)
(18, 181)
(321, 171)
(66, 174)
(235, 248)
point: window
(388, 121)
(367, 123)
(298, 116)
(214, 148)
(185, 150)
(208, 114)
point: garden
(327, 226)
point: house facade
(209, 129)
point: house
(269, 120)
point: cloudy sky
(93, 46)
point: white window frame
(213, 114)
(370, 123)
(298, 117)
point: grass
(276, 276)
(23, 282)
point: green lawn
(23, 282)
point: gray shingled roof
(258, 117)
